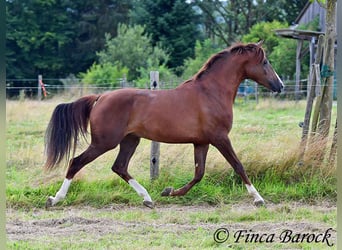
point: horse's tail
(68, 122)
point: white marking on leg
(252, 191)
(140, 190)
(60, 195)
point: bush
(104, 75)
(132, 48)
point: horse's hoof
(167, 191)
(149, 204)
(259, 203)
(49, 202)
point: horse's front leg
(200, 157)
(225, 147)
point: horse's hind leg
(120, 166)
(226, 149)
(75, 165)
(200, 158)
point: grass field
(265, 136)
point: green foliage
(313, 25)
(283, 58)
(37, 41)
(280, 51)
(172, 24)
(104, 75)
(132, 48)
(203, 50)
(59, 38)
(283, 55)
(265, 31)
(56, 38)
(228, 21)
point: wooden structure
(155, 146)
(322, 111)
(310, 11)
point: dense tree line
(57, 38)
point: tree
(328, 69)
(58, 37)
(229, 20)
(91, 21)
(37, 41)
(170, 23)
(265, 31)
(132, 48)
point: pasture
(102, 212)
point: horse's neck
(224, 83)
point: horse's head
(259, 69)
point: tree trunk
(327, 70)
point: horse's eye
(265, 62)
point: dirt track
(64, 222)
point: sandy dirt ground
(68, 221)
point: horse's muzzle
(277, 86)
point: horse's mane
(235, 49)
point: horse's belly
(168, 130)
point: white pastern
(60, 195)
(252, 191)
(140, 190)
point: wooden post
(298, 57)
(327, 90)
(312, 85)
(155, 146)
(40, 79)
(245, 90)
(256, 93)
(327, 75)
(333, 149)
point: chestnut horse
(199, 111)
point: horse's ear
(259, 44)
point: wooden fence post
(40, 79)
(314, 79)
(155, 146)
(298, 57)
(256, 93)
(333, 149)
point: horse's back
(163, 115)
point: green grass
(265, 136)
(103, 192)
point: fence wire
(29, 88)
